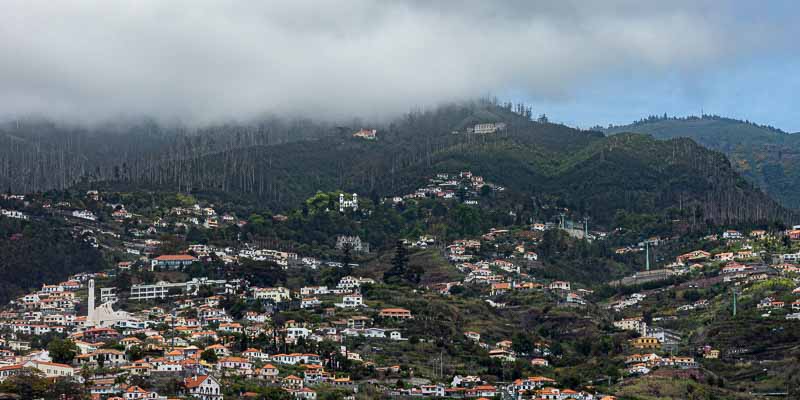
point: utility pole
(441, 364)
(586, 228)
(734, 302)
(647, 254)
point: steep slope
(40, 251)
(581, 170)
(766, 156)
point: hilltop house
(491, 127)
(368, 134)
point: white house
(203, 387)
(351, 301)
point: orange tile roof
(175, 257)
(194, 381)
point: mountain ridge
(767, 156)
(628, 171)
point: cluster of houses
(736, 263)
(186, 333)
(630, 301)
(504, 274)
(642, 364)
(198, 215)
(770, 304)
(204, 253)
(183, 326)
(463, 186)
(652, 338)
(473, 387)
(13, 214)
(176, 337)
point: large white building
(162, 290)
(158, 290)
(632, 324)
(50, 369)
(487, 128)
(354, 242)
(276, 294)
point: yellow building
(646, 342)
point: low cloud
(205, 61)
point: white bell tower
(90, 315)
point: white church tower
(104, 315)
(90, 315)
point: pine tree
(399, 264)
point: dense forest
(766, 156)
(40, 251)
(37, 154)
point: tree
(65, 388)
(28, 384)
(196, 236)
(347, 259)
(336, 394)
(122, 280)
(399, 264)
(522, 343)
(272, 393)
(209, 356)
(134, 353)
(413, 274)
(62, 350)
(691, 295)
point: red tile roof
(194, 381)
(175, 257)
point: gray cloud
(203, 61)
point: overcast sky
(581, 62)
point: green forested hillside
(766, 156)
(278, 164)
(34, 252)
(581, 170)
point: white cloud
(201, 61)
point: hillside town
(398, 200)
(153, 327)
